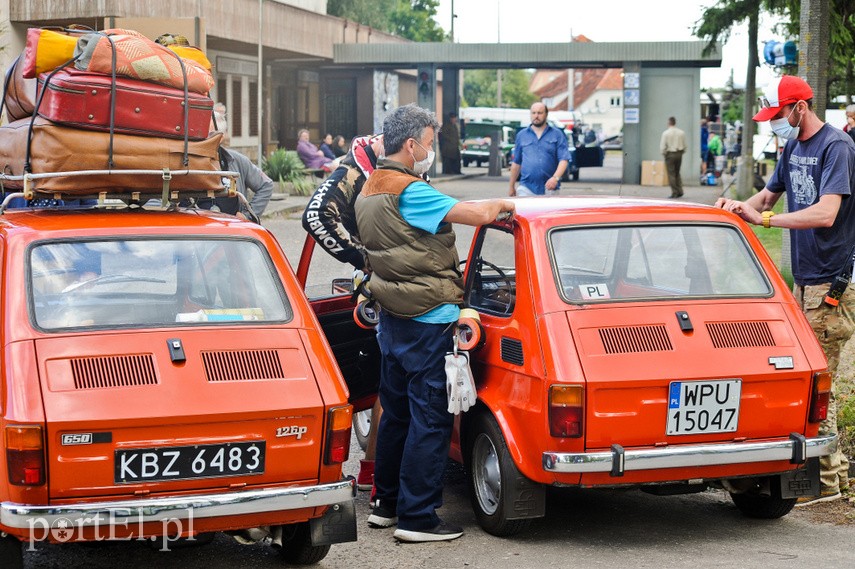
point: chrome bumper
(123, 512)
(617, 461)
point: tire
(361, 426)
(491, 470)
(11, 553)
(298, 550)
(762, 507)
(465, 163)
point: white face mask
(783, 128)
(422, 166)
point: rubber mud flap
(337, 525)
(802, 482)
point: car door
(328, 284)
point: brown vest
(414, 271)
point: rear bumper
(617, 461)
(123, 512)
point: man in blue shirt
(541, 156)
(405, 226)
(816, 172)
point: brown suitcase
(56, 148)
(20, 93)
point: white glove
(459, 383)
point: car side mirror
(342, 286)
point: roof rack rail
(127, 196)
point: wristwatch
(767, 216)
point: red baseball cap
(779, 92)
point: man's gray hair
(409, 121)
(850, 109)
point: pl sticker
(594, 291)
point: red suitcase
(81, 99)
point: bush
(286, 166)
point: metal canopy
(526, 55)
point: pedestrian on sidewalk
(673, 145)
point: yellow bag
(46, 50)
(191, 53)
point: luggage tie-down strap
(167, 176)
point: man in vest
(405, 227)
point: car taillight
(820, 396)
(338, 434)
(25, 457)
(566, 412)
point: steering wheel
(510, 285)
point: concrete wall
(667, 92)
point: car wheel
(465, 163)
(764, 507)
(491, 470)
(11, 553)
(361, 426)
(298, 549)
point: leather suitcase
(20, 94)
(57, 148)
(82, 99)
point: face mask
(422, 166)
(784, 129)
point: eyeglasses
(765, 104)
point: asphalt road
(582, 528)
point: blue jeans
(415, 428)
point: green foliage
(480, 87)
(411, 19)
(286, 166)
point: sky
(549, 21)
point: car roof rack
(135, 196)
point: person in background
(449, 145)
(339, 148)
(816, 171)
(672, 145)
(850, 121)
(311, 155)
(253, 184)
(715, 148)
(705, 135)
(541, 157)
(406, 227)
(327, 147)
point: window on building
(253, 108)
(615, 101)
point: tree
(411, 19)
(716, 24)
(480, 87)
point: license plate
(697, 407)
(186, 462)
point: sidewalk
(284, 204)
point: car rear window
(153, 283)
(626, 262)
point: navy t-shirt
(823, 164)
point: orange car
(636, 343)
(163, 376)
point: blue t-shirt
(538, 157)
(823, 164)
(424, 207)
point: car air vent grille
(740, 334)
(113, 371)
(631, 339)
(242, 365)
(512, 351)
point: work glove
(459, 383)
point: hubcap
(486, 475)
(362, 422)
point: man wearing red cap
(817, 172)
